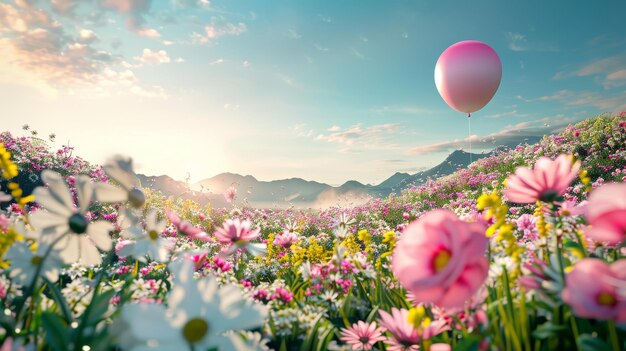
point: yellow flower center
(195, 330)
(416, 316)
(606, 299)
(36, 260)
(153, 235)
(441, 260)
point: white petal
(99, 231)
(57, 187)
(121, 170)
(127, 250)
(134, 233)
(51, 203)
(151, 218)
(105, 192)
(148, 321)
(240, 314)
(84, 190)
(43, 219)
(69, 248)
(89, 254)
(184, 295)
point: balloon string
(469, 134)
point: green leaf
(55, 328)
(99, 306)
(58, 297)
(547, 330)
(586, 342)
(468, 343)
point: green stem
(575, 330)
(613, 335)
(31, 287)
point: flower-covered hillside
(494, 257)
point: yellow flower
(6, 240)
(364, 236)
(9, 169)
(351, 245)
(585, 179)
(504, 231)
(390, 239)
(540, 222)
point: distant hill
(296, 191)
(454, 161)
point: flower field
(523, 250)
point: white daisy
(198, 315)
(66, 222)
(25, 262)
(120, 169)
(147, 242)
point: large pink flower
(441, 259)
(606, 213)
(605, 298)
(362, 335)
(545, 182)
(234, 231)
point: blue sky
(323, 90)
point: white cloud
(149, 33)
(86, 36)
(214, 31)
(301, 130)
(153, 57)
(609, 71)
(519, 42)
(405, 110)
(217, 62)
(529, 131)
(607, 103)
(325, 18)
(320, 48)
(512, 113)
(358, 137)
(291, 33)
(357, 53)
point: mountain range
(298, 192)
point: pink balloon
(467, 75)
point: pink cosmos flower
(234, 231)
(441, 259)
(405, 336)
(545, 182)
(362, 335)
(285, 239)
(604, 299)
(230, 194)
(186, 227)
(571, 208)
(606, 213)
